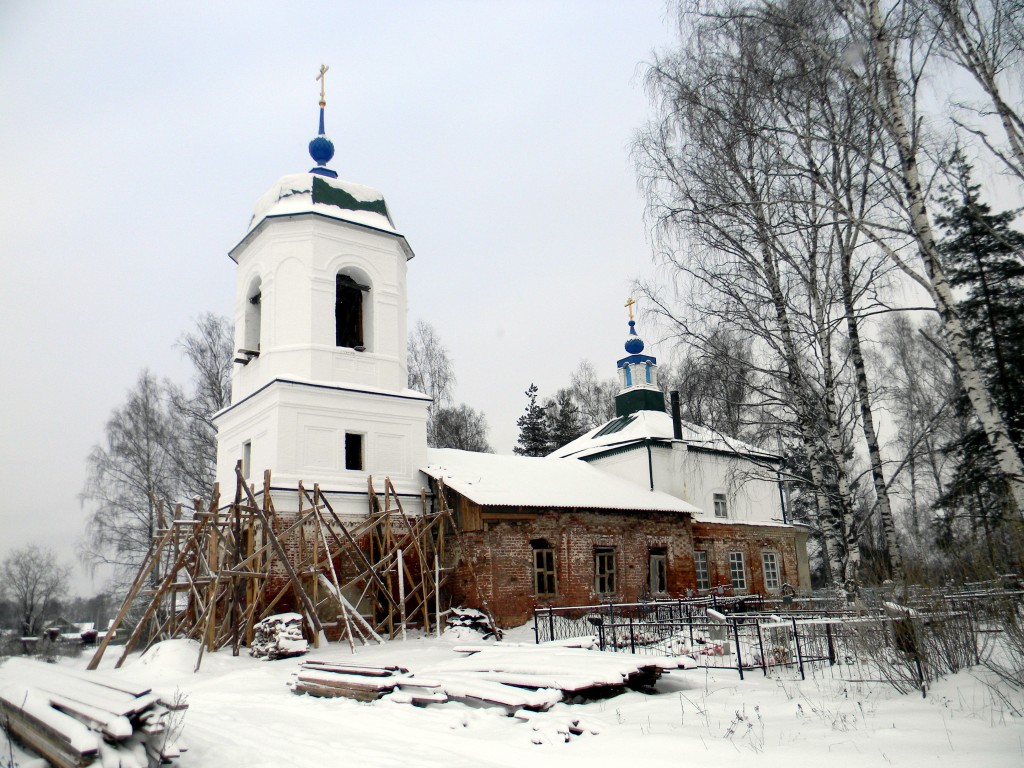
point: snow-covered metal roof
(652, 425)
(314, 193)
(521, 481)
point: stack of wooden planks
(511, 676)
(331, 679)
(74, 718)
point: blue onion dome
(321, 149)
(634, 344)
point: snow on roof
(486, 478)
(652, 425)
(313, 193)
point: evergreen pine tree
(533, 428)
(984, 259)
(565, 422)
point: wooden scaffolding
(213, 575)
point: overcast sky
(136, 137)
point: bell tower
(319, 390)
(638, 376)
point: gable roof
(654, 425)
(521, 481)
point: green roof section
(615, 425)
(633, 400)
(327, 194)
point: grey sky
(136, 137)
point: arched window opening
(647, 373)
(348, 313)
(253, 316)
(629, 375)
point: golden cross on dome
(629, 305)
(323, 81)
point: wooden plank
(114, 727)
(473, 688)
(353, 669)
(33, 667)
(333, 692)
(60, 739)
(52, 680)
(358, 682)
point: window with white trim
(737, 572)
(700, 562)
(721, 506)
(772, 582)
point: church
(644, 506)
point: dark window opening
(348, 312)
(604, 570)
(253, 311)
(544, 582)
(353, 451)
(658, 576)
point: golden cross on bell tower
(323, 81)
(629, 305)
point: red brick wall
(497, 564)
(718, 540)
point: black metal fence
(907, 647)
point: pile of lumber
(75, 719)
(578, 672)
(330, 679)
(511, 676)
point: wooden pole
(401, 590)
(279, 551)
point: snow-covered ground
(241, 713)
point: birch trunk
(1003, 449)
(799, 391)
(868, 422)
(823, 337)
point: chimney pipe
(677, 421)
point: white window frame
(737, 571)
(772, 574)
(720, 504)
(702, 569)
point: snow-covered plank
(360, 682)
(335, 691)
(564, 683)
(53, 680)
(59, 738)
(353, 669)
(473, 688)
(114, 727)
(117, 683)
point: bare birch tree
(885, 52)
(34, 581)
(129, 473)
(209, 348)
(722, 201)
